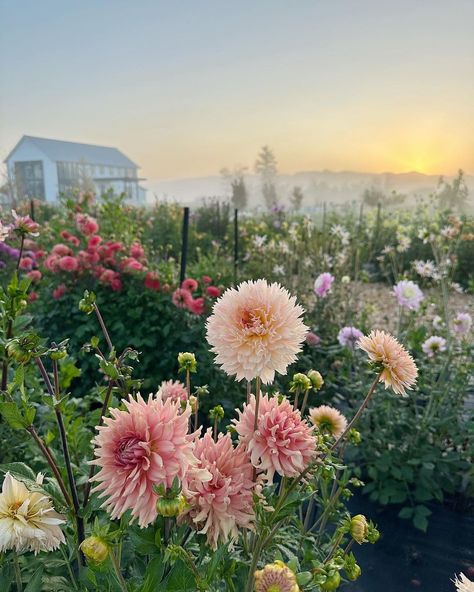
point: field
(265, 341)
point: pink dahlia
(256, 330)
(221, 505)
(152, 281)
(323, 284)
(59, 291)
(146, 444)
(196, 306)
(181, 298)
(68, 263)
(174, 390)
(189, 284)
(213, 291)
(282, 442)
(276, 577)
(86, 224)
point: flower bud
(300, 382)
(373, 535)
(354, 437)
(169, 507)
(187, 361)
(95, 549)
(353, 573)
(332, 582)
(193, 402)
(316, 379)
(359, 528)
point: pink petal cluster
(223, 504)
(174, 390)
(146, 444)
(256, 330)
(86, 224)
(323, 284)
(283, 442)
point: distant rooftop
(62, 151)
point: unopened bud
(359, 528)
(187, 361)
(169, 507)
(316, 379)
(300, 382)
(95, 549)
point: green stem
(16, 565)
(115, 564)
(68, 564)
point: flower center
(274, 588)
(130, 451)
(255, 322)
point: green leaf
(153, 575)
(181, 579)
(406, 512)
(35, 582)
(12, 415)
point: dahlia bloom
(68, 263)
(137, 251)
(28, 521)
(408, 294)
(189, 284)
(256, 330)
(433, 345)
(59, 291)
(328, 420)
(26, 263)
(152, 281)
(282, 442)
(196, 306)
(213, 291)
(221, 505)
(399, 371)
(349, 336)
(323, 284)
(25, 225)
(181, 298)
(463, 584)
(86, 224)
(34, 275)
(276, 577)
(462, 323)
(312, 339)
(146, 444)
(174, 390)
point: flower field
(196, 401)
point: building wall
(27, 151)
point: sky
(187, 87)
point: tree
(238, 188)
(373, 196)
(296, 198)
(453, 195)
(266, 167)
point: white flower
(404, 243)
(4, 232)
(341, 233)
(279, 270)
(463, 584)
(457, 287)
(259, 240)
(28, 521)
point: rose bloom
(59, 291)
(152, 281)
(463, 584)
(399, 371)
(28, 521)
(174, 390)
(433, 345)
(408, 294)
(196, 306)
(34, 275)
(181, 298)
(328, 420)
(323, 284)
(312, 339)
(349, 336)
(218, 507)
(68, 263)
(256, 330)
(462, 323)
(213, 291)
(146, 444)
(276, 577)
(189, 284)
(282, 442)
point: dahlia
(59, 291)
(68, 263)
(463, 584)
(312, 339)
(433, 345)
(276, 577)
(28, 521)
(86, 224)
(256, 330)
(221, 505)
(196, 306)
(34, 275)
(189, 284)
(349, 336)
(25, 225)
(213, 291)
(328, 420)
(399, 371)
(323, 284)
(152, 281)
(282, 442)
(181, 298)
(408, 294)
(174, 390)
(462, 323)
(146, 444)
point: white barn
(42, 169)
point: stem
(359, 412)
(253, 566)
(295, 404)
(103, 327)
(52, 463)
(305, 400)
(118, 573)
(16, 565)
(68, 564)
(255, 423)
(334, 547)
(215, 428)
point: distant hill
(317, 186)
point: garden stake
(184, 244)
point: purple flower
(323, 284)
(433, 345)
(349, 336)
(462, 323)
(408, 294)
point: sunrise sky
(187, 87)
